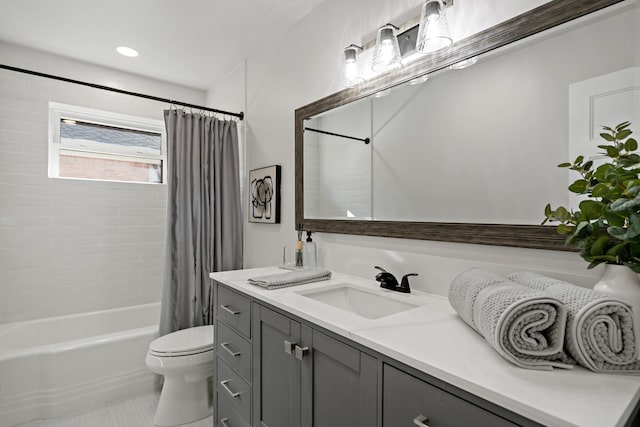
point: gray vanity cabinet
(276, 372)
(339, 383)
(410, 402)
(303, 378)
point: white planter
(621, 282)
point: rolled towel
(292, 278)
(523, 325)
(600, 333)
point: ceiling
(189, 42)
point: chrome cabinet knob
(301, 352)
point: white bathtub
(53, 366)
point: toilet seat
(185, 342)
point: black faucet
(389, 281)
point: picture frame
(264, 195)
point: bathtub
(53, 366)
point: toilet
(185, 359)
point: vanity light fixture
(464, 63)
(351, 66)
(127, 51)
(386, 53)
(433, 30)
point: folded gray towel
(525, 326)
(292, 278)
(600, 333)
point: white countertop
(433, 339)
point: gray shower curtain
(204, 220)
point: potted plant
(606, 227)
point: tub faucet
(389, 281)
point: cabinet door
(339, 383)
(408, 401)
(276, 371)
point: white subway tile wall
(70, 246)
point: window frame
(59, 111)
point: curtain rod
(365, 140)
(239, 115)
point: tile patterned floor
(135, 412)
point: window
(100, 145)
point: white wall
(69, 246)
(305, 66)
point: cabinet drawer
(227, 416)
(235, 310)
(233, 388)
(235, 350)
(406, 398)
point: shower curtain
(204, 220)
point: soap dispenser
(309, 256)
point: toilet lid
(184, 342)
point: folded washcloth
(292, 278)
(600, 333)
(525, 326)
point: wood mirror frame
(542, 18)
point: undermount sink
(365, 303)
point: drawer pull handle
(225, 422)
(226, 387)
(225, 345)
(289, 346)
(229, 310)
(420, 421)
(301, 352)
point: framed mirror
(469, 155)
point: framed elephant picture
(264, 195)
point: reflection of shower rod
(365, 140)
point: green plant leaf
(599, 245)
(630, 160)
(621, 205)
(634, 249)
(631, 144)
(613, 218)
(622, 134)
(562, 214)
(591, 209)
(612, 151)
(564, 165)
(601, 171)
(634, 226)
(595, 263)
(578, 160)
(617, 232)
(621, 126)
(616, 248)
(606, 258)
(600, 190)
(578, 186)
(607, 137)
(564, 229)
(632, 185)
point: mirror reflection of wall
(337, 170)
(476, 145)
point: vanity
(344, 352)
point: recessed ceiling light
(127, 51)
